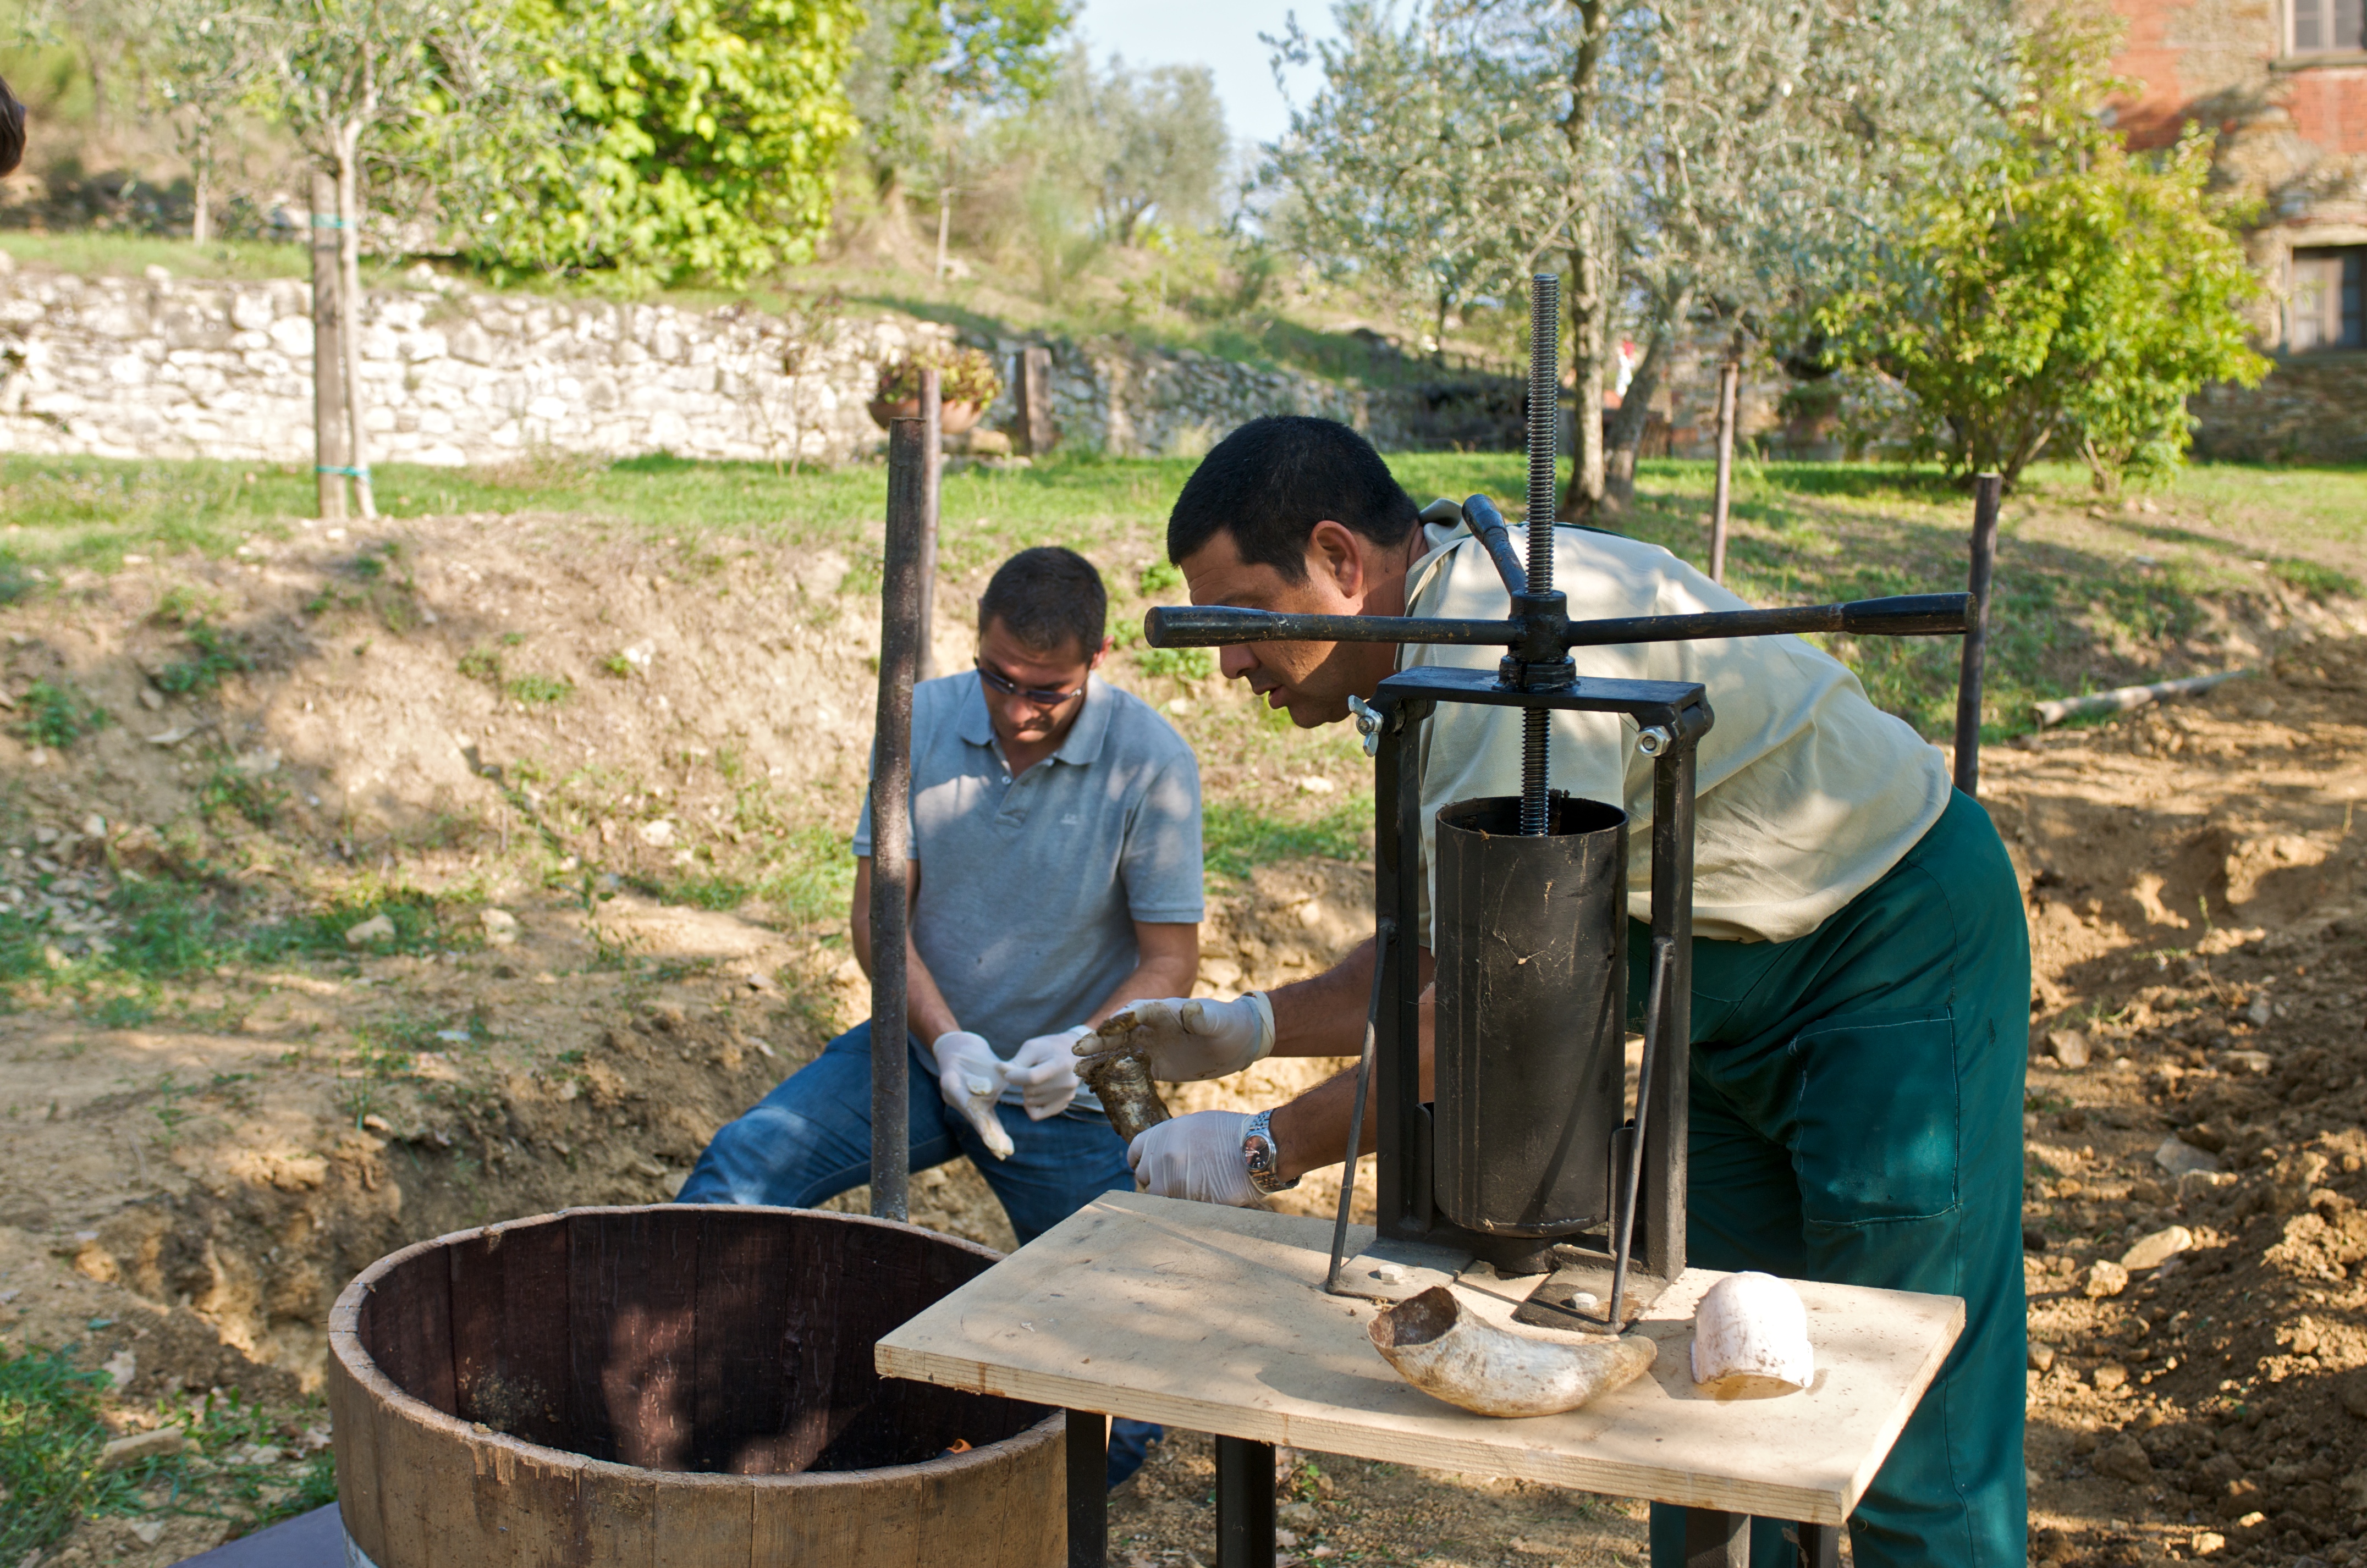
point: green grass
(1236, 839)
(56, 714)
(50, 1435)
(2088, 595)
(218, 653)
(538, 690)
(97, 253)
(172, 928)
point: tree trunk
(1586, 296)
(1589, 354)
(201, 225)
(349, 290)
(1636, 407)
(328, 357)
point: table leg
(1820, 1545)
(1716, 1539)
(1244, 1503)
(1089, 1490)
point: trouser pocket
(1877, 1129)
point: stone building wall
(2311, 408)
(159, 367)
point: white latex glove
(1188, 1040)
(970, 1074)
(1044, 1071)
(1197, 1157)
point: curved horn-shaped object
(1450, 1355)
(1751, 1335)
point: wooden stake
(329, 461)
(349, 279)
(933, 441)
(892, 787)
(1729, 390)
(1035, 434)
(1987, 490)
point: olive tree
(1393, 180)
(1686, 154)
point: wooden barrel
(676, 1384)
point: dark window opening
(2329, 27)
(2327, 308)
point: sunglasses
(996, 681)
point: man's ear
(1101, 653)
(1340, 558)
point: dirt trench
(192, 1162)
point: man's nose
(1236, 661)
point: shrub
(965, 376)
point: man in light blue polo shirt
(1054, 878)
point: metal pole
(1545, 445)
(1988, 489)
(1668, 1126)
(891, 784)
(1088, 1489)
(1244, 1503)
(329, 460)
(1729, 390)
(933, 420)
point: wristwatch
(1265, 1155)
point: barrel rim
(354, 1358)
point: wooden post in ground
(1989, 490)
(1730, 394)
(933, 441)
(329, 460)
(891, 784)
(1035, 434)
(349, 290)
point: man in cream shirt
(1861, 963)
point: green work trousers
(1857, 1118)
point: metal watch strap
(1263, 1156)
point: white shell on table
(1750, 1334)
(1446, 1352)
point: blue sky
(1219, 34)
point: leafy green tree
(2069, 289)
(927, 69)
(699, 141)
(1397, 182)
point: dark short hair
(1268, 484)
(1046, 597)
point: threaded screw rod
(1545, 410)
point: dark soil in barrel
(725, 1340)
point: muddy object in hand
(1123, 1087)
(1450, 1355)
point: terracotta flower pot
(952, 418)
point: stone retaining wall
(162, 367)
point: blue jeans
(809, 1140)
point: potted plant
(967, 382)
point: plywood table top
(1215, 1320)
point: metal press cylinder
(1531, 936)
